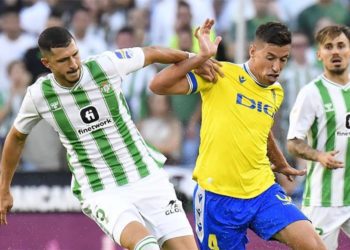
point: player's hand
(207, 47)
(328, 160)
(6, 203)
(210, 70)
(288, 171)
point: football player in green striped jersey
(321, 115)
(117, 177)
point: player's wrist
(190, 54)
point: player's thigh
(278, 218)
(221, 221)
(327, 222)
(162, 211)
(300, 235)
(111, 211)
(181, 242)
(275, 213)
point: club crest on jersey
(106, 87)
(55, 106)
(124, 54)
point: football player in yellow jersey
(236, 188)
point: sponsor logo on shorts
(200, 198)
(173, 207)
(199, 211)
(319, 230)
(286, 200)
(101, 216)
(199, 227)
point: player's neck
(253, 74)
(341, 79)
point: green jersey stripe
(346, 199)
(110, 157)
(111, 100)
(102, 141)
(148, 146)
(307, 192)
(154, 153)
(67, 129)
(330, 142)
(124, 103)
(76, 186)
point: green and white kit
(321, 114)
(104, 147)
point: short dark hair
(275, 33)
(126, 29)
(183, 3)
(54, 37)
(332, 32)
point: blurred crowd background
(169, 123)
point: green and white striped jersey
(104, 147)
(321, 114)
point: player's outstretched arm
(279, 162)
(172, 80)
(301, 149)
(13, 147)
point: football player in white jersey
(117, 177)
(321, 114)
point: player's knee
(310, 243)
(147, 243)
(317, 244)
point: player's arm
(301, 149)
(13, 147)
(302, 116)
(279, 162)
(172, 80)
(157, 54)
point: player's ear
(45, 62)
(252, 50)
(318, 55)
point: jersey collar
(74, 86)
(345, 87)
(247, 69)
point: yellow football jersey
(237, 116)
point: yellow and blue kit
(233, 171)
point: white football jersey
(93, 121)
(321, 114)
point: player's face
(335, 54)
(267, 61)
(64, 63)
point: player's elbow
(291, 147)
(157, 87)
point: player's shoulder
(40, 81)
(98, 57)
(36, 89)
(311, 87)
(232, 68)
(233, 71)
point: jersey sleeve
(197, 83)
(27, 116)
(128, 60)
(302, 115)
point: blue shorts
(222, 221)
